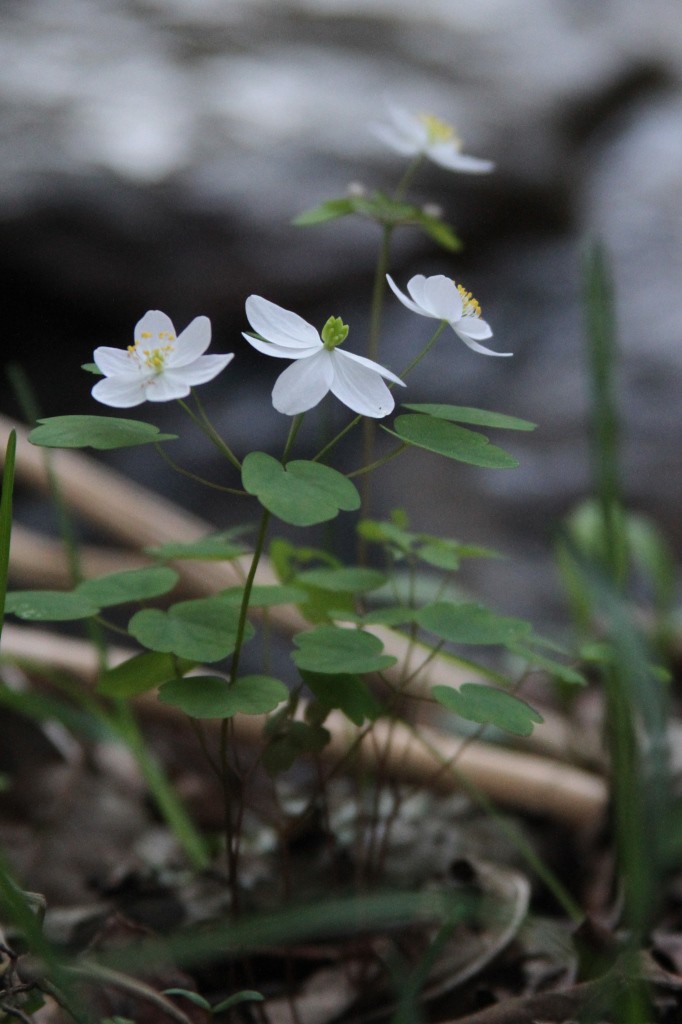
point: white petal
(441, 298)
(408, 124)
(113, 361)
(280, 325)
(403, 298)
(120, 392)
(371, 365)
(303, 384)
(395, 140)
(156, 324)
(164, 387)
(474, 327)
(279, 352)
(192, 343)
(447, 155)
(359, 387)
(203, 369)
(459, 331)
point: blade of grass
(6, 518)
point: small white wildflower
(159, 365)
(320, 366)
(414, 134)
(441, 298)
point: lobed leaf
(444, 438)
(302, 493)
(131, 585)
(332, 650)
(213, 697)
(471, 624)
(201, 630)
(486, 705)
(465, 414)
(101, 432)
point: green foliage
(487, 705)
(345, 692)
(215, 547)
(101, 432)
(131, 585)
(384, 210)
(343, 580)
(91, 596)
(475, 417)
(471, 624)
(50, 605)
(302, 493)
(439, 552)
(212, 697)
(265, 595)
(288, 740)
(141, 673)
(332, 650)
(438, 435)
(201, 630)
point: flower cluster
(161, 365)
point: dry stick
(138, 518)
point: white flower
(158, 366)
(442, 299)
(319, 365)
(415, 134)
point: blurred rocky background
(153, 153)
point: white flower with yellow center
(425, 135)
(319, 366)
(441, 298)
(159, 365)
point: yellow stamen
(470, 305)
(440, 131)
(154, 358)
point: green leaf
(439, 232)
(332, 650)
(92, 368)
(101, 432)
(141, 673)
(348, 693)
(303, 493)
(332, 209)
(470, 624)
(50, 605)
(291, 740)
(476, 417)
(193, 997)
(216, 547)
(131, 585)
(437, 435)
(555, 668)
(347, 579)
(487, 705)
(212, 697)
(245, 996)
(201, 630)
(265, 595)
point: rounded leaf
(332, 650)
(302, 493)
(131, 585)
(487, 705)
(437, 435)
(101, 432)
(212, 697)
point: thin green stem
(379, 462)
(335, 440)
(193, 476)
(293, 431)
(406, 180)
(201, 420)
(427, 348)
